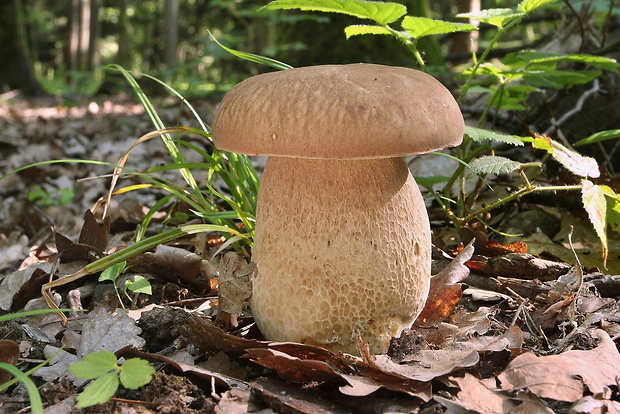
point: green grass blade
(36, 404)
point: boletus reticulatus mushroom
(342, 243)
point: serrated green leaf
(421, 26)
(492, 164)
(99, 391)
(558, 79)
(94, 365)
(135, 373)
(362, 30)
(598, 137)
(479, 135)
(496, 17)
(595, 203)
(574, 162)
(381, 12)
(531, 5)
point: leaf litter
(515, 327)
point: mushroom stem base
(342, 250)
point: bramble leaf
(362, 30)
(595, 203)
(494, 17)
(530, 5)
(421, 26)
(379, 11)
(479, 135)
(492, 164)
(573, 161)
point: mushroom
(342, 243)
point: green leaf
(535, 56)
(135, 373)
(429, 182)
(422, 26)
(99, 391)
(381, 12)
(112, 273)
(613, 208)
(139, 284)
(496, 17)
(362, 30)
(36, 404)
(492, 164)
(595, 204)
(479, 135)
(598, 137)
(94, 365)
(531, 5)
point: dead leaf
(520, 265)
(564, 377)
(9, 354)
(475, 396)
(102, 331)
(234, 287)
(172, 264)
(445, 290)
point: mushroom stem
(342, 248)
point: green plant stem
(514, 196)
(485, 54)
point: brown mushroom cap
(355, 111)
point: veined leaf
(595, 203)
(534, 56)
(492, 164)
(495, 17)
(530, 5)
(573, 161)
(422, 26)
(479, 135)
(598, 137)
(381, 12)
(362, 30)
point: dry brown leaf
(564, 377)
(234, 286)
(9, 354)
(445, 290)
(172, 264)
(475, 396)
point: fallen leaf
(445, 290)
(9, 354)
(564, 376)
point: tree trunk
(16, 64)
(94, 56)
(171, 32)
(123, 58)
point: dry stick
(578, 107)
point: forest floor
(513, 325)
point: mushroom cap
(355, 111)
